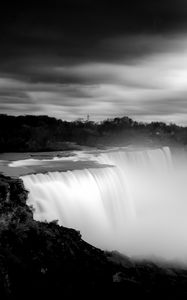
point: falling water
(137, 205)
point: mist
(137, 205)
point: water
(137, 205)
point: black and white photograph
(93, 149)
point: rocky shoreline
(40, 259)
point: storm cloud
(73, 58)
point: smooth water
(137, 205)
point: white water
(137, 206)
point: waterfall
(137, 204)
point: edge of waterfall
(45, 259)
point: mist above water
(137, 206)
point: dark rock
(41, 260)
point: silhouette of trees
(43, 133)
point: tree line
(44, 133)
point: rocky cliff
(40, 260)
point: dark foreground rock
(39, 260)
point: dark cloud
(69, 58)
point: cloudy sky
(71, 58)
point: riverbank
(45, 259)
